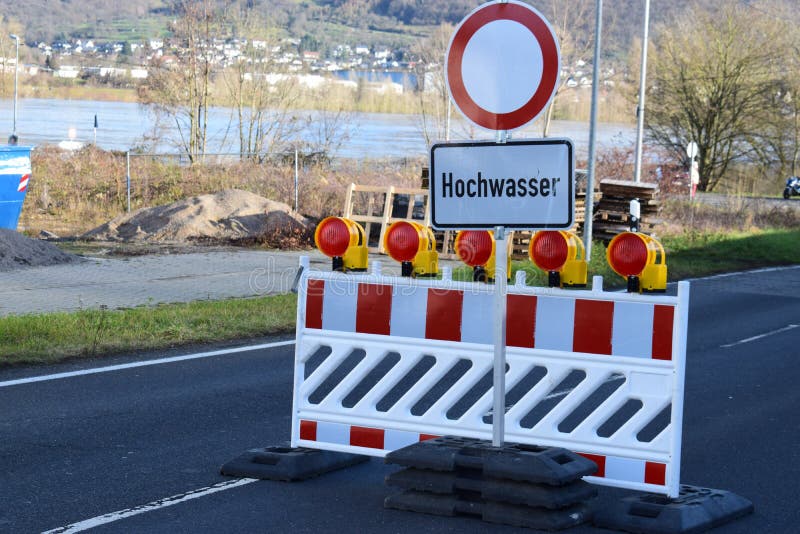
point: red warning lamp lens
(549, 250)
(627, 254)
(474, 247)
(333, 237)
(402, 241)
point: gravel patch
(18, 251)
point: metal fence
(296, 170)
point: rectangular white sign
(526, 184)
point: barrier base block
(288, 464)
(695, 509)
(493, 489)
(541, 465)
(491, 512)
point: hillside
(387, 22)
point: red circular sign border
(539, 28)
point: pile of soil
(229, 216)
(18, 251)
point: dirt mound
(228, 216)
(18, 251)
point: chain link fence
(71, 193)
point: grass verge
(693, 254)
(52, 337)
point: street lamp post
(637, 171)
(16, 75)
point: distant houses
(83, 58)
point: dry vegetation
(728, 214)
(71, 193)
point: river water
(123, 126)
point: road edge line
(145, 363)
(93, 522)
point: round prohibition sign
(502, 65)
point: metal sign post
(500, 316)
(499, 377)
(497, 185)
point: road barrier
(384, 362)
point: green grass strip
(52, 337)
(693, 254)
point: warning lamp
(414, 246)
(562, 255)
(342, 240)
(639, 259)
(476, 248)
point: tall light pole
(16, 75)
(637, 173)
(587, 220)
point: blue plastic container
(15, 171)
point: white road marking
(754, 271)
(150, 507)
(749, 339)
(146, 363)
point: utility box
(15, 172)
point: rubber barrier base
(492, 512)
(491, 489)
(540, 465)
(694, 510)
(288, 464)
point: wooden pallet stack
(612, 212)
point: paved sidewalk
(147, 280)
(159, 278)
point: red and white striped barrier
(383, 362)
(599, 326)
(23, 183)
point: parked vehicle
(792, 187)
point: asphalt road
(80, 447)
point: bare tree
(260, 92)
(182, 89)
(713, 72)
(328, 129)
(777, 143)
(431, 86)
(570, 22)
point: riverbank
(72, 90)
(572, 104)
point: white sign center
(498, 77)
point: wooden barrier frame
(444, 240)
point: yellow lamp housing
(342, 240)
(426, 262)
(414, 246)
(641, 260)
(575, 271)
(654, 276)
(562, 255)
(491, 265)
